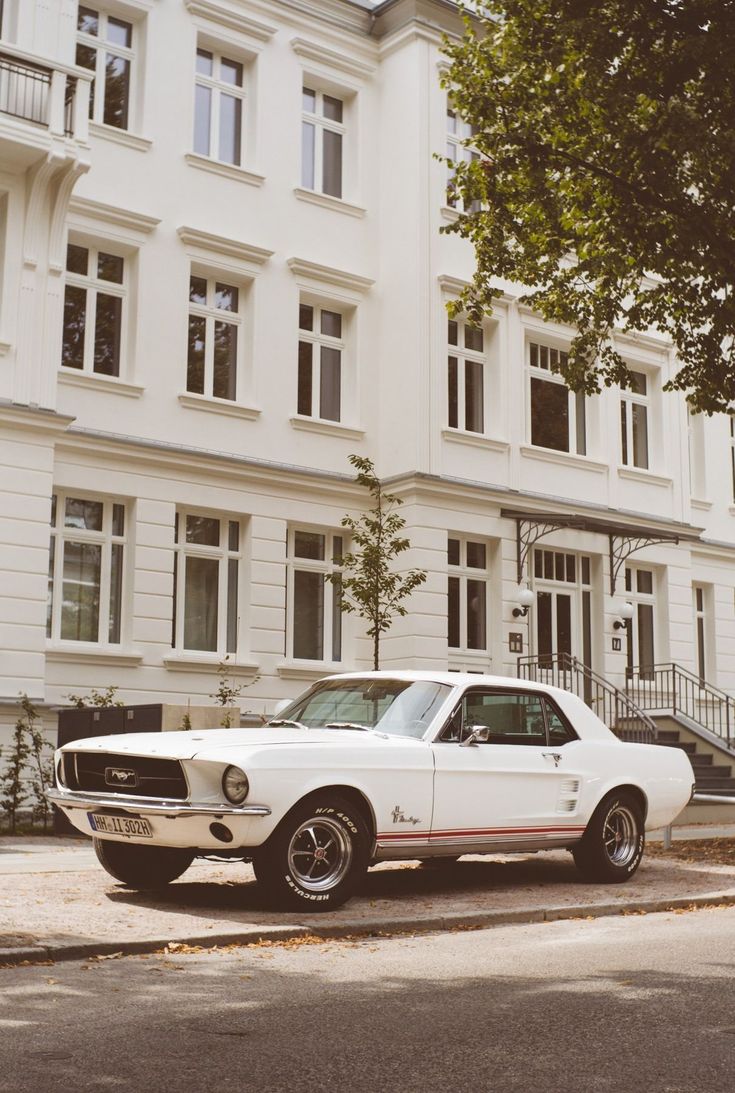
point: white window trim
(182, 550)
(132, 53)
(212, 314)
(92, 285)
(462, 654)
(316, 339)
(105, 538)
(461, 152)
(477, 357)
(313, 565)
(629, 398)
(321, 123)
(218, 87)
(533, 372)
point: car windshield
(396, 706)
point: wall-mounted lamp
(525, 598)
(625, 610)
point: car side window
(560, 731)
(511, 718)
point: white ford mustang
(368, 767)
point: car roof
(452, 679)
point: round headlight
(235, 785)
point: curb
(51, 952)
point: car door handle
(555, 755)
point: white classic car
(368, 767)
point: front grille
(149, 778)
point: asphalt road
(630, 1003)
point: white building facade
(223, 273)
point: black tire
(612, 846)
(316, 857)
(143, 867)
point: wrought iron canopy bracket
(529, 532)
(622, 546)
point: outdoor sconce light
(525, 598)
(625, 610)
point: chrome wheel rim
(620, 835)
(319, 854)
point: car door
(519, 784)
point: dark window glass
(201, 603)
(543, 626)
(118, 519)
(332, 163)
(117, 89)
(549, 415)
(197, 290)
(585, 570)
(119, 32)
(645, 640)
(453, 551)
(205, 62)
(306, 317)
(559, 567)
(330, 383)
(571, 568)
(80, 604)
(337, 620)
(308, 544)
(110, 267)
(453, 394)
(231, 72)
(75, 319)
(453, 639)
(202, 119)
(230, 129)
(116, 576)
(473, 338)
(476, 556)
(452, 332)
(624, 432)
(700, 599)
(560, 731)
(563, 624)
(88, 21)
(83, 514)
(195, 357)
(232, 586)
(473, 397)
(644, 579)
(511, 718)
(107, 331)
(226, 297)
(639, 383)
(308, 635)
(331, 324)
(77, 259)
(580, 404)
(305, 379)
(225, 361)
(233, 535)
(332, 108)
(203, 530)
(476, 615)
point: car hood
(211, 743)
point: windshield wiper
(347, 725)
(281, 721)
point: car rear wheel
(612, 846)
(144, 867)
(316, 857)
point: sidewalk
(57, 903)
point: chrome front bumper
(144, 806)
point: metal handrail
(24, 90)
(671, 687)
(615, 707)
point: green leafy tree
(41, 761)
(228, 691)
(366, 584)
(13, 785)
(606, 177)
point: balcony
(40, 106)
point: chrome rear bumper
(144, 806)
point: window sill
(566, 459)
(108, 384)
(474, 440)
(119, 136)
(184, 662)
(5, 348)
(449, 214)
(90, 653)
(638, 474)
(308, 669)
(326, 428)
(701, 504)
(226, 170)
(219, 406)
(328, 202)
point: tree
(365, 582)
(42, 767)
(13, 788)
(606, 133)
(98, 699)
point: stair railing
(615, 707)
(671, 687)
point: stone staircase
(714, 767)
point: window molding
(566, 459)
(120, 136)
(62, 652)
(326, 201)
(209, 248)
(97, 382)
(223, 16)
(225, 170)
(184, 662)
(330, 59)
(141, 223)
(325, 427)
(474, 440)
(310, 274)
(212, 405)
(641, 474)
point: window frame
(59, 535)
(464, 573)
(211, 315)
(321, 123)
(330, 603)
(458, 151)
(464, 356)
(628, 399)
(92, 286)
(316, 338)
(574, 398)
(224, 555)
(102, 47)
(545, 701)
(218, 87)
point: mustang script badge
(120, 776)
(399, 818)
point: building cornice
(111, 214)
(331, 59)
(328, 275)
(234, 19)
(13, 415)
(215, 245)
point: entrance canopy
(624, 538)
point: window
(85, 580)
(558, 415)
(732, 455)
(322, 134)
(314, 614)
(458, 132)
(214, 323)
(104, 46)
(206, 583)
(93, 310)
(525, 719)
(634, 422)
(218, 108)
(466, 376)
(701, 627)
(321, 347)
(467, 605)
(640, 586)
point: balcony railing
(616, 708)
(668, 687)
(42, 96)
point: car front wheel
(612, 846)
(143, 867)
(316, 857)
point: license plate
(120, 825)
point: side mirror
(479, 734)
